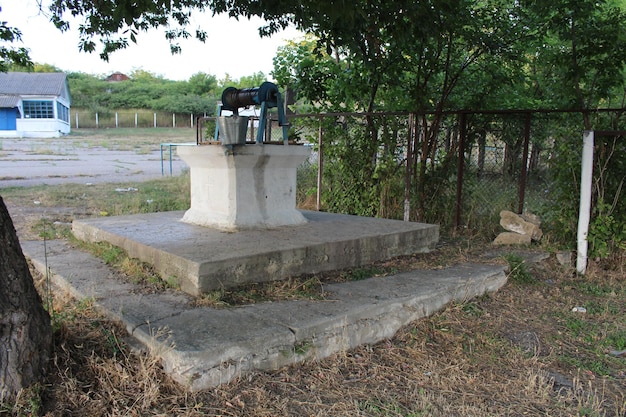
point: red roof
(117, 76)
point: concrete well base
(201, 259)
(243, 186)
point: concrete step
(201, 347)
(201, 259)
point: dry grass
(511, 353)
(518, 352)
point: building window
(63, 113)
(38, 109)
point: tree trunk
(25, 331)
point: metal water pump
(266, 96)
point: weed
(110, 254)
(48, 229)
(113, 342)
(60, 317)
(295, 288)
(213, 299)
(615, 340)
(136, 271)
(472, 309)
(518, 271)
(301, 348)
(575, 325)
(172, 282)
(592, 364)
(27, 403)
(591, 288)
(359, 274)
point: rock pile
(520, 229)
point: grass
(519, 351)
(518, 270)
(163, 194)
(464, 360)
(136, 271)
(309, 288)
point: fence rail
(460, 174)
(457, 169)
(84, 119)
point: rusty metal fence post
(460, 168)
(524, 173)
(320, 164)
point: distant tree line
(146, 90)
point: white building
(34, 104)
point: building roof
(34, 83)
(117, 76)
(8, 101)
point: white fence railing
(124, 119)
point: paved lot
(35, 162)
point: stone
(531, 218)
(515, 223)
(527, 341)
(512, 238)
(564, 258)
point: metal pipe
(586, 179)
(460, 168)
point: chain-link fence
(456, 169)
(406, 166)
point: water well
(243, 225)
(237, 186)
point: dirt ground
(527, 350)
(520, 351)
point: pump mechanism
(266, 96)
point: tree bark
(25, 330)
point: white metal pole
(584, 214)
(155, 124)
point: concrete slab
(203, 347)
(201, 259)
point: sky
(232, 47)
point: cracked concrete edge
(340, 335)
(367, 325)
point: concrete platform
(201, 347)
(200, 259)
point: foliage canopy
(426, 57)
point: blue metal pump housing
(266, 96)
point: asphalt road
(23, 165)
